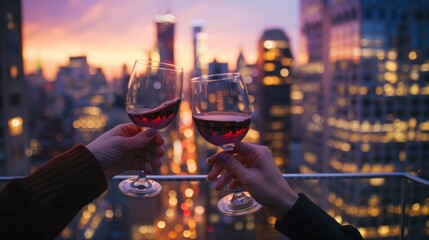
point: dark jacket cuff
(306, 220)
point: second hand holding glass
(222, 115)
(153, 100)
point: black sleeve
(306, 220)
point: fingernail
(223, 158)
(150, 133)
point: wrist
(104, 169)
(283, 206)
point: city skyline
(111, 34)
(346, 113)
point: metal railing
(287, 176)
(404, 177)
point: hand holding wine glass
(261, 177)
(127, 147)
(222, 115)
(153, 100)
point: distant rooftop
(165, 18)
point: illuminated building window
(272, 80)
(269, 67)
(13, 71)
(279, 111)
(284, 72)
(297, 110)
(310, 157)
(279, 161)
(392, 54)
(15, 126)
(269, 55)
(287, 61)
(414, 75)
(412, 55)
(278, 135)
(277, 144)
(391, 66)
(296, 95)
(282, 44)
(268, 44)
(277, 125)
(414, 89)
(11, 25)
(391, 77)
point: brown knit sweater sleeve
(41, 205)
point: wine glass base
(240, 208)
(127, 187)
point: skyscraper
(364, 71)
(165, 37)
(249, 72)
(216, 67)
(273, 103)
(84, 91)
(197, 45)
(14, 119)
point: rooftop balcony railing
(381, 205)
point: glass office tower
(364, 71)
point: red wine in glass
(221, 112)
(221, 128)
(152, 101)
(158, 117)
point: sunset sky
(113, 32)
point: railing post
(403, 206)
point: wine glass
(222, 115)
(153, 100)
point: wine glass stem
(227, 147)
(238, 197)
(141, 181)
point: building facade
(272, 102)
(13, 102)
(84, 98)
(364, 71)
(198, 48)
(165, 37)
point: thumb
(232, 165)
(141, 139)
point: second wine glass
(153, 100)
(222, 115)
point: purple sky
(113, 32)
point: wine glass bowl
(158, 117)
(220, 108)
(221, 112)
(223, 129)
(153, 100)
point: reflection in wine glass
(153, 100)
(222, 115)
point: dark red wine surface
(158, 117)
(221, 128)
